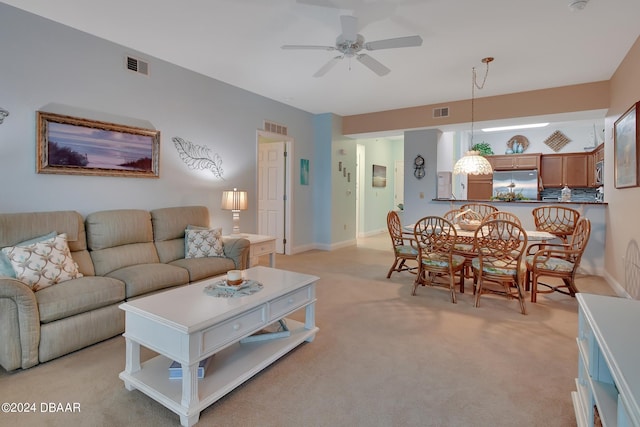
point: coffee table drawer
(290, 301)
(233, 328)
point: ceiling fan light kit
(349, 43)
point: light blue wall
(379, 200)
(48, 66)
(418, 193)
(321, 177)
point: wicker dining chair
(482, 209)
(557, 260)
(463, 246)
(404, 246)
(436, 239)
(507, 216)
(557, 220)
(501, 246)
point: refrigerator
(520, 181)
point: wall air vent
(440, 112)
(275, 128)
(137, 65)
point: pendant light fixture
(472, 163)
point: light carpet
(382, 358)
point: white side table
(260, 245)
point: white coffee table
(187, 325)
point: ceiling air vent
(275, 128)
(137, 65)
(440, 112)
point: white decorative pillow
(43, 263)
(203, 243)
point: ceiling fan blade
(409, 41)
(302, 46)
(349, 27)
(326, 67)
(373, 64)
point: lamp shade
(472, 163)
(234, 200)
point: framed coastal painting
(379, 178)
(625, 138)
(75, 146)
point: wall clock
(418, 169)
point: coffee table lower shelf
(228, 369)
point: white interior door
(271, 191)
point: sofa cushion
(203, 243)
(143, 278)
(107, 229)
(203, 268)
(169, 225)
(78, 296)
(44, 263)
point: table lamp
(235, 201)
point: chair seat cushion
(553, 264)
(498, 267)
(463, 247)
(406, 250)
(442, 260)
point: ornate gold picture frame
(75, 146)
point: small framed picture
(304, 171)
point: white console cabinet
(608, 383)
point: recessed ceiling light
(499, 128)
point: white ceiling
(537, 44)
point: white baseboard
(372, 233)
(617, 287)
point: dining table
(467, 236)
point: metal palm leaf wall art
(198, 157)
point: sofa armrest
(19, 325)
(237, 248)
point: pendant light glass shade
(472, 163)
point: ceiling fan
(350, 43)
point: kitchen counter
(546, 202)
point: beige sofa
(121, 254)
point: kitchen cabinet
(572, 170)
(479, 187)
(515, 161)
